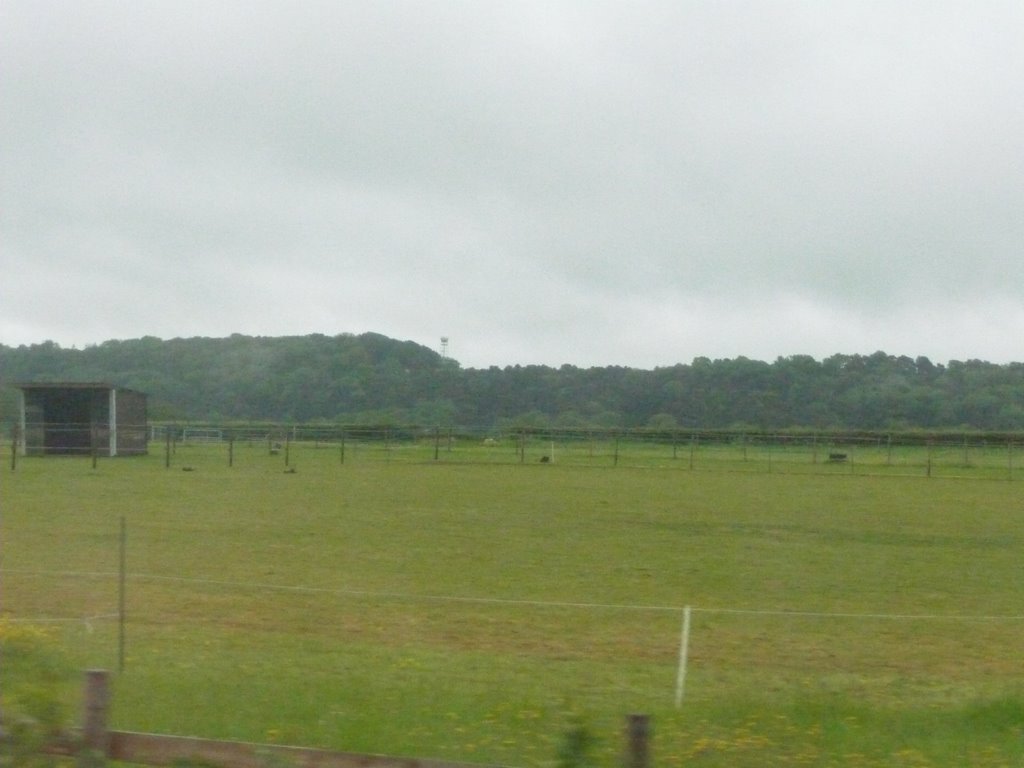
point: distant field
(970, 456)
(477, 605)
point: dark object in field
(188, 469)
(837, 457)
(290, 471)
(545, 459)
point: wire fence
(594, 652)
(961, 455)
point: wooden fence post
(638, 731)
(95, 737)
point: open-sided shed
(82, 418)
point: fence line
(643, 682)
(410, 597)
(87, 620)
(161, 749)
(97, 739)
(994, 455)
(988, 456)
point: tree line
(372, 379)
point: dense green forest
(371, 379)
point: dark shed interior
(76, 418)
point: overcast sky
(593, 183)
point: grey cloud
(597, 182)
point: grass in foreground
(478, 612)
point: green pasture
(469, 602)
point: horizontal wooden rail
(96, 740)
(155, 749)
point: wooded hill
(371, 379)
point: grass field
(478, 610)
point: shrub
(33, 711)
